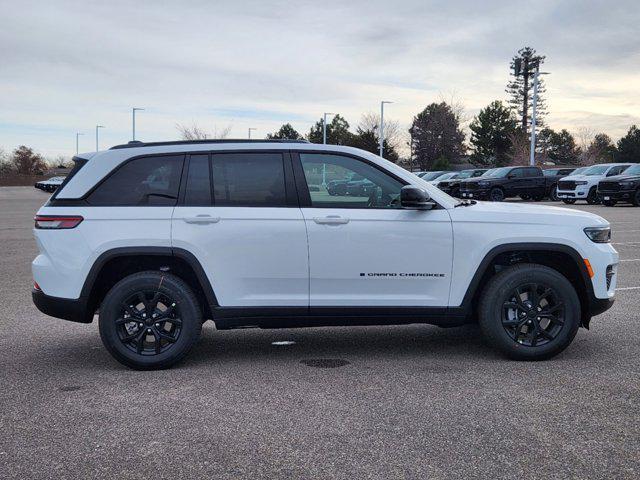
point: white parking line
(631, 260)
(625, 243)
(628, 288)
(625, 231)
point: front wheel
(529, 312)
(553, 194)
(496, 195)
(150, 320)
(592, 197)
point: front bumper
(578, 193)
(619, 196)
(74, 310)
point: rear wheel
(496, 195)
(150, 320)
(529, 312)
(569, 201)
(592, 198)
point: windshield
(635, 170)
(550, 173)
(466, 173)
(580, 171)
(498, 172)
(432, 175)
(447, 176)
(596, 170)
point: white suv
(159, 237)
(584, 186)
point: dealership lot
(365, 402)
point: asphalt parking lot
(402, 402)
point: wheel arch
(115, 264)
(562, 258)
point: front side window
(145, 181)
(337, 181)
(248, 180)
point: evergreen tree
(520, 88)
(491, 132)
(286, 132)
(602, 149)
(368, 140)
(435, 132)
(629, 146)
(562, 148)
(337, 132)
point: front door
(364, 250)
(245, 228)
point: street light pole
(133, 114)
(97, 127)
(251, 128)
(382, 125)
(532, 150)
(324, 127)
(77, 135)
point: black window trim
(303, 190)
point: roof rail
(137, 143)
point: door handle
(202, 219)
(331, 220)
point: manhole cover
(70, 388)
(325, 362)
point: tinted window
(248, 180)
(517, 173)
(198, 184)
(336, 181)
(566, 171)
(143, 181)
(531, 172)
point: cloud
(68, 65)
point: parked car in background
(452, 184)
(429, 176)
(442, 178)
(50, 185)
(505, 182)
(584, 186)
(551, 177)
(621, 188)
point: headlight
(627, 185)
(581, 182)
(598, 234)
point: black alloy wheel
(553, 194)
(496, 195)
(532, 314)
(592, 198)
(149, 322)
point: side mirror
(415, 198)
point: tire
(553, 193)
(500, 314)
(174, 331)
(496, 195)
(525, 197)
(569, 201)
(609, 203)
(636, 199)
(592, 198)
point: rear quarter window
(144, 181)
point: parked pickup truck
(505, 182)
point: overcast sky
(66, 66)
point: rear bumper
(74, 310)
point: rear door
(364, 250)
(239, 216)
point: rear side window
(78, 163)
(198, 190)
(248, 180)
(145, 181)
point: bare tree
(394, 134)
(588, 155)
(519, 154)
(195, 132)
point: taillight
(57, 222)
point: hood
(578, 177)
(524, 213)
(622, 178)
